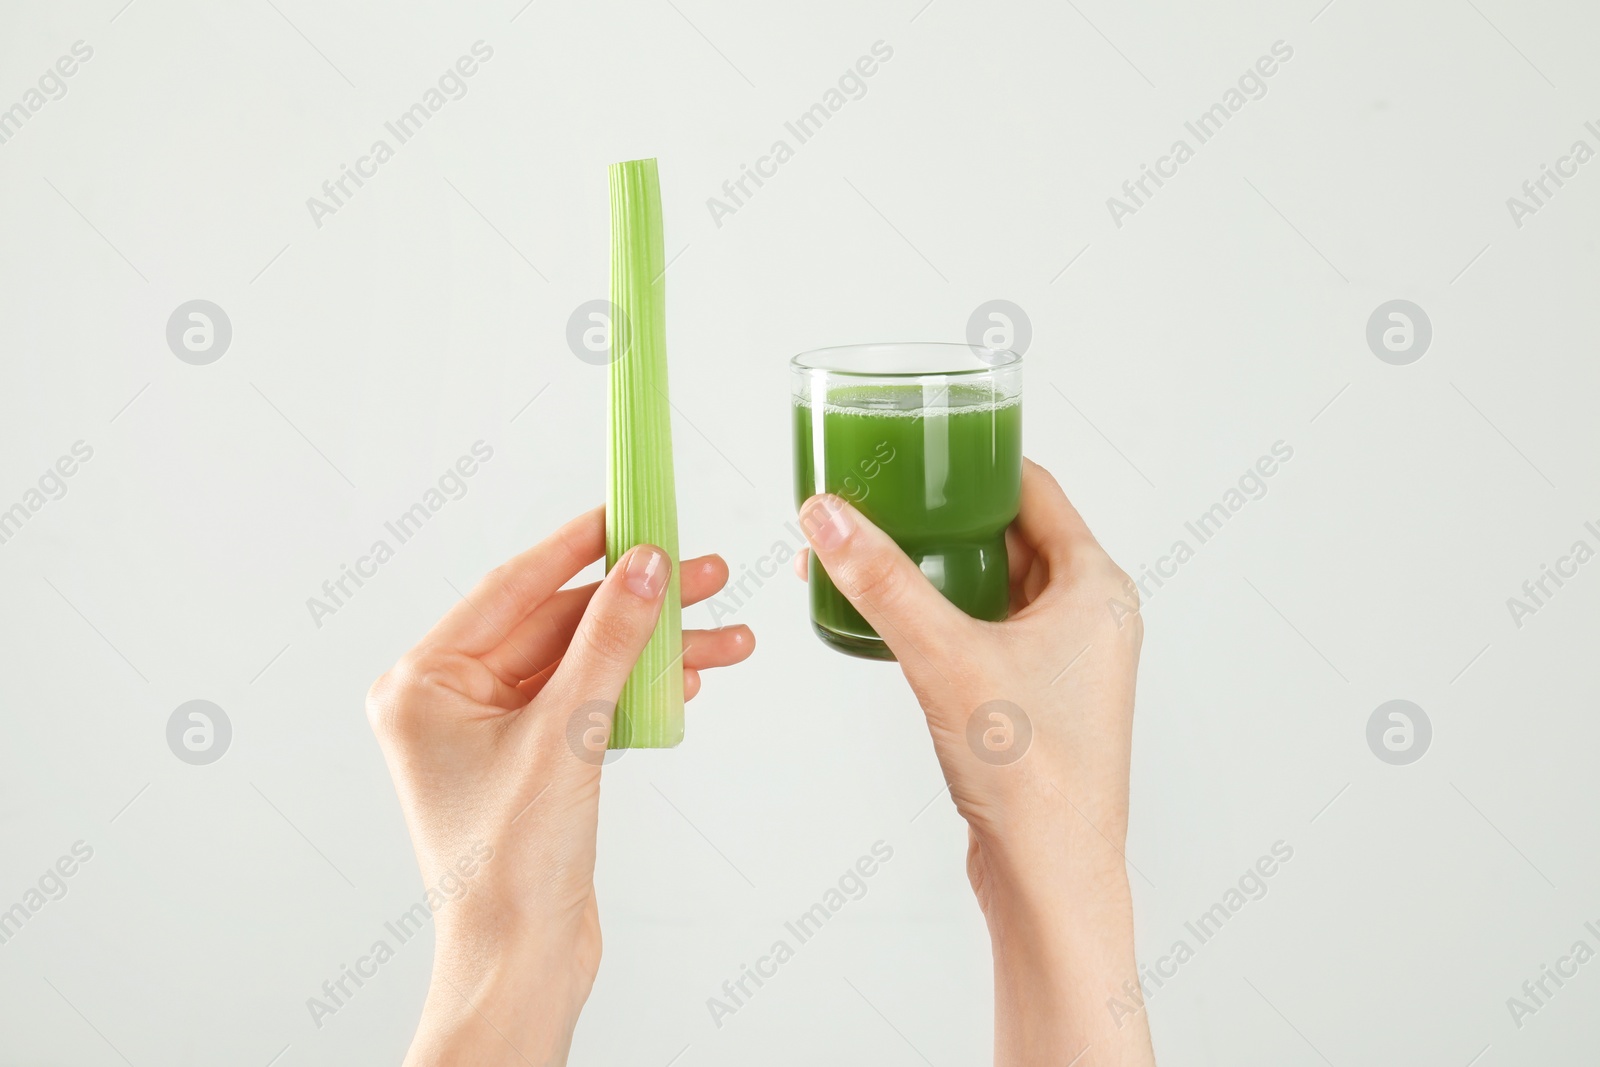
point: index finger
(511, 592)
(1047, 520)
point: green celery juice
(937, 466)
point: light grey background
(1228, 314)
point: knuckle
(1098, 580)
(1117, 581)
(397, 701)
(506, 583)
(874, 579)
(1101, 600)
(1136, 631)
(380, 692)
(384, 700)
(1118, 610)
(498, 578)
(610, 635)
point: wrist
(1049, 924)
(511, 1001)
(1036, 849)
(502, 1018)
(1065, 976)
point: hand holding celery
(484, 726)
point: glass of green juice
(926, 441)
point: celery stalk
(641, 505)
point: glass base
(853, 645)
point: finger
(1019, 555)
(614, 629)
(802, 564)
(702, 577)
(1047, 520)
(512, 591)
(692, 680)
(487, 689)
(539, 640)
(717, 648)
(1027, 573)
(889, 590)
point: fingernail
(828, 522)
(647, 572)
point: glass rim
(827, 359)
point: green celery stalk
(641, 502)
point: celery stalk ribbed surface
(641, 502)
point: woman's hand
(489, 726)
(1032, 722)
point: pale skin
(474, 723)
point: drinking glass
(926, 441)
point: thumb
(615, 627)
(890, 591)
